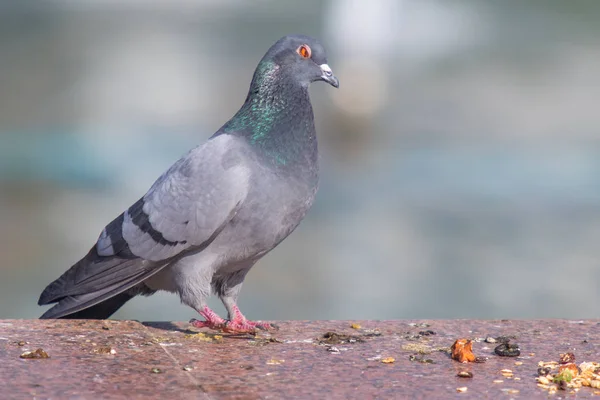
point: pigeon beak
(328, 76)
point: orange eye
(304, 51)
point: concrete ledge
(118, 359)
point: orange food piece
(462, 351)
(570, 366)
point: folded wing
(185, 209)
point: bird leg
(213, 321)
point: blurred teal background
(460, 157)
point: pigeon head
(277, 115)
(296, 58)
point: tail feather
(94, 305)
(94, 273)
(101, 310)
(97, 286)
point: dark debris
(420, 358)
(507, 349)
(339, 338)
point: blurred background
(460, 157)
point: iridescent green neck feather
(276, 117)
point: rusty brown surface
(166, 360)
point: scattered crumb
(156, 370)
(566, 358)
(333, 349)
(507, 373)
(259, 342)
(461, 389)
(204, 337)
(37, 354)
(355, 326)
(420, 348)
(465, 374)
(274, 361)
(162, 339)
(104, 350)
(420, 358)
(518, 363)
(497, 381)
(371, 332)
(388, 360)
(188, 368)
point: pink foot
(213, 321)
(239, 324)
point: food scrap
(204, 337)
(461, 389)
(355, 326)
(565, 374)
(388, 360)
(507, 373)
(259, 342)
(465, 374)
(462, 351)
(104, 350)
(333, 350)
(37, 354)
(566, 358)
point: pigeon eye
(304, 51)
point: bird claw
(234, 326)
(245, 326)
(264, 326)
(207, 324)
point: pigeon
(214, 213)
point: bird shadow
(168, 326)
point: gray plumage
(207, 220)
